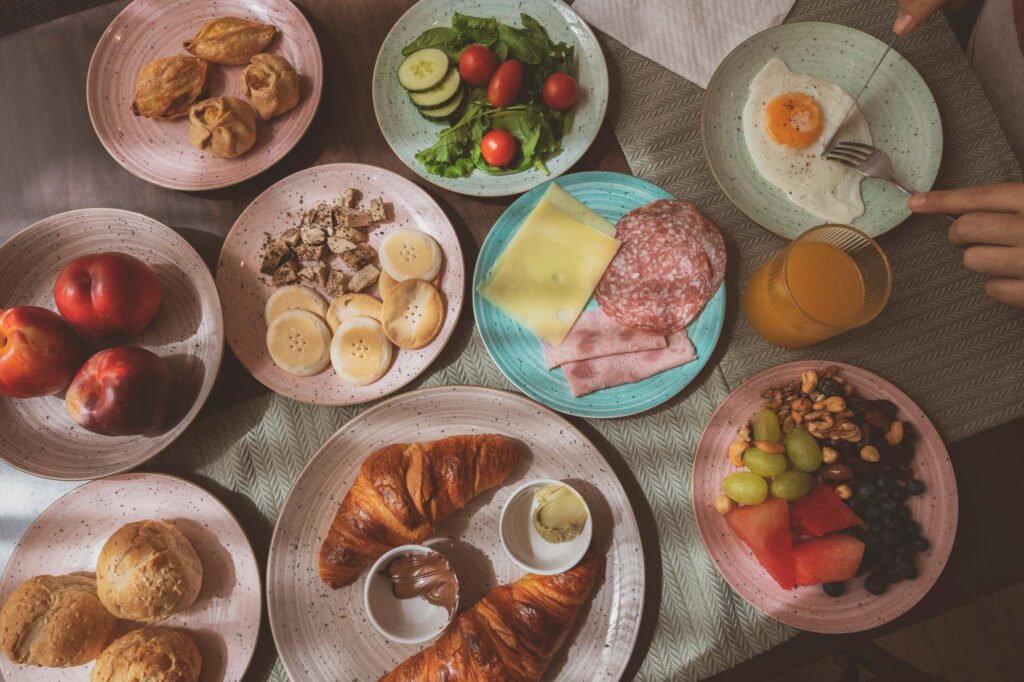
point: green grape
(791, 485)
(764, 463)
(766, 426)
(803, 450)
(745, 487)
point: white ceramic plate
(37, 435)
(68, 536)
(407, 132)
(244, 291)
(323, 634)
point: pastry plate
(518, 353)
(323, 634)
(809, 608)
(68, 536)
(158, 151)
(900, 110)
(407, 132)
(244, 291)
(37, 436)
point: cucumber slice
(445, 112)
(423, 70)
(440, 95)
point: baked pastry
(223, 126)
(271, 83)
(402, 490)
(147, 571)
(510, 635)
(55, 621)
(149, 655)
(167, 87)
(230, 40)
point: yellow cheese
(572, 207)
(548, 272)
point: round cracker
(413, 313)
(360, 351)
(410, 254)
(350, 305)
(385, 283)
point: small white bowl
(406, 621)
(524, 544)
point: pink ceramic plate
(809, 608)
(68, 536)
(36, 435)
(158, 151)
(244, 291)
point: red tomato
(560, 91)
(506, 83)
(477, 64)
(498, 148)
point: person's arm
(912, 13)
(991, 231)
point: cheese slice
(574, 208)
(548, 272)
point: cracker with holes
(360, 351)
(412, 313)
(410, 254)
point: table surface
(51, 161)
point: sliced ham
(587, 376)
(596, 335)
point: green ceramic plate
(899, 108)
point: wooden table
(51, 161)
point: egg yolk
(793, 120)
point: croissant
(402, 490)
(511, 634)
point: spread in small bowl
(411, 594)
(546, 526)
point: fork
(870, 162)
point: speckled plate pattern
(809, 608)
(158, 151)
(518, 353)
(899, 108)
(38, 436)
(407, 132)
(324, 635)
(67, 538)
(244, 291)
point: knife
(859, 93)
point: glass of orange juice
(829, 279)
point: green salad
(505, 92)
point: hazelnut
(829, 455)
(724, 504)
(844, 491)
(869, 453)
(894, 436)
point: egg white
(828, 189)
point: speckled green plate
(899, 108)
(518, 353)
(407, 132)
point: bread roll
(148, 571)
(55, 621)
(149, 655)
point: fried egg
(787, 121)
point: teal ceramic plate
(517, 352)
(899, 108)
(407, 132)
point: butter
(560, 513)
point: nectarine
(39, 352)
(107, 296)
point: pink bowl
(158, 151)
(809, 608)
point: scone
(149, 655)
(148, 571)
(55, 621)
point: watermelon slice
(821, 511)
(764, 528)
(827, 559)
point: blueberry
(876, 583)
(890, 522)
(919, 544)
(872, 512)
(890, 537)
(893, 576)
(915, 487)
(874, 538)
(905, 566)
(889, 504)
(857, 532)
(911, 528)
(835, 589)
(904, 513)
(866, 490)
(887, 558)
(829, 387)
(856, 505)
(888, 484)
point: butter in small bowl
(559, 512)
(546, 526)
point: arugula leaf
(476, 29)
(440, 37)
(533, 27)
(527, 48)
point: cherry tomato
(560, 91)
(498, 148)
(505, 84)
(477, 64)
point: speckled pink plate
(323, 635)
(68, 537)
(36, 435)
(809, 608)
(244, 291)
(158, 151)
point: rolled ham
(596, 335)
(587, 376)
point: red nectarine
(39, 352)
(107, 296)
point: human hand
(913, 13)
(991, 231)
